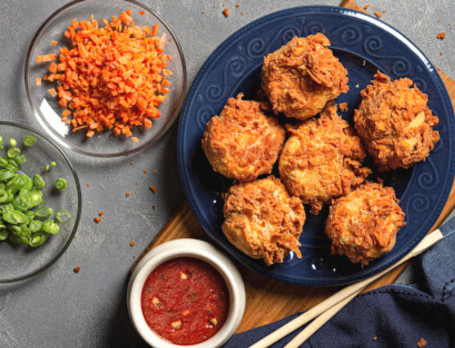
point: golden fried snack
(322, 159)
(363, 225)
(243, 143)
(263, 220)
(395, 123)
(303, 76)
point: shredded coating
(301, 77)
(363, 224)
(395, 123)
(263, 220)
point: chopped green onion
(47, 168)
(20, 159)
(38, 182)
(44, 212)
(29, 140)
(13, 142)
(13, 152)
(18, 239)
(14, 217)
(54, 164)
(61, 184)
(38, 239)
(61, 212)
(3, 235)
(5, 175)
(51, 227)
(35, 226)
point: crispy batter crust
(263, 220)
(395, 123)
(242, 142)
(303, 76)
(363, 225)
(322, 159)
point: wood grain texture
(269, 300)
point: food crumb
(242, 13)
(195, 27)
(136, 183)
(226, 12)
(132, 164)
(127, 194)
(134, 256)
(203, 12)
(441, 36)
(440, 53)
(153, 207)
(357, 86)
(132, 243)
(384, 11)
(377, 14)
(422, 342)
(75, 237)
(155, 171)
(53, 42)
(88, 185)
(135, 139)
(77, 269)
(153, 189)
(438, 20)
(101, 213)
(366, 6)
(237, 5)
(375, 338)
(145, 171)
(141, 13)
(38, 81)
(97, 219)
(343, 107)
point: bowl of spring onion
(40, 202)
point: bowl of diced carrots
(105, 78)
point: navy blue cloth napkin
(391, 316)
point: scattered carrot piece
(242, 13)
(135, 139)
(441, 36)
(384, 11)
(422, 343)
(141, 13)
(185, 312)
(66, 113)
(52, 92)
(97, 219)
(153, 189)
(53, 42)
(155, 171)
(127, 194)
(112, 77)
(343, 107)
(38, 81)
(132, 243)
(146, 171)
(440, 53)
(132, 163)
(237, 5)
(366, 6)
(377, 14)
(226, 12)
(101, 213)
(153, 207)
(88, 185)
(77, 269)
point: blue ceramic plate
(364, 45)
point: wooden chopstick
(342, 295)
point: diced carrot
(53, 42)
(39, 59)
(111, 97)
(38, 81)
(135, 139)
(141, 13)
(52, 92)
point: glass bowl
(19, 262)
(46, 108)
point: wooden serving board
(269, 300)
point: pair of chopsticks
(328, 308)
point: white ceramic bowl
(187, 248)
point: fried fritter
(243, 143)
(303, 76)
(395, 123)
(263, 220)
(363, 224)
(322, 159)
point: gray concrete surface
(62, 309)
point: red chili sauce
(185, 301)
